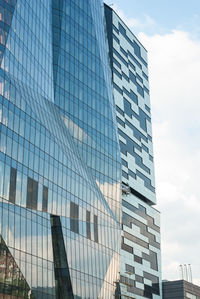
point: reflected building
(60, 165)
(140, 273)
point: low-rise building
(180, 289)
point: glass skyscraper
(140, 272)
(60, 165)
(76, 158)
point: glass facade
(180, 289)
(60, 165)
(140, 272)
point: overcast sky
(170, 31)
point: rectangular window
(117, 63)
(139, 278)
(95, 228)
(129, 269)
(32, 194)
(132, 174)
(13, 179)
(137, 259)
(74, 217)
(44, 199)
(88, 226)
(126, 247)
(124, 163)
(119, 121)
(124, 174)
(120, 110)
(122, 30)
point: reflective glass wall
(60, 163)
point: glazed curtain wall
(59, 153)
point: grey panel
(13, 177)
(44, 199)
(152, 258)
(74, 217)
(32, 194)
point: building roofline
(126, 26)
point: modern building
(180, 289)
(60, 166)
(140, 241)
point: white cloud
(134, 23)
(174, 63)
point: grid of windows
(140, 246)
(59, 152)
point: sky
(170, 31)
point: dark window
(126, 247)
(117, 73)
(130, 269)
(13, 178)
(122, 30)
(123, 51)
(142, 209)
(45, 199)
(145, 148)
(147, 181)
(118, 88)
(131, 282)
(127, 281)
(139, 78)
(136, 240)
(125, 163)
(151, 277)
(147, 108)
(115, 38)
(135, 60)
(149, 137)
(123, 147)
(132, 77)
(95, 228)
(146, 89)
(125, 76)
(32, 194)
(152, 258)
(131, 65)
(119, 121)
(140, 90)
(156, 288)
(129, 206)
(120, 110)
(145, 76)
(74, 217)
(137, 49)
(122, 279)
(127, 219)
(131, 95)
(124, 174)
(150, 158)
(132, 174)
(139, 278)
(117, 63)
(137, 259)
(148, 291)
(120, 57)
(88, 226)
(115, 29)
